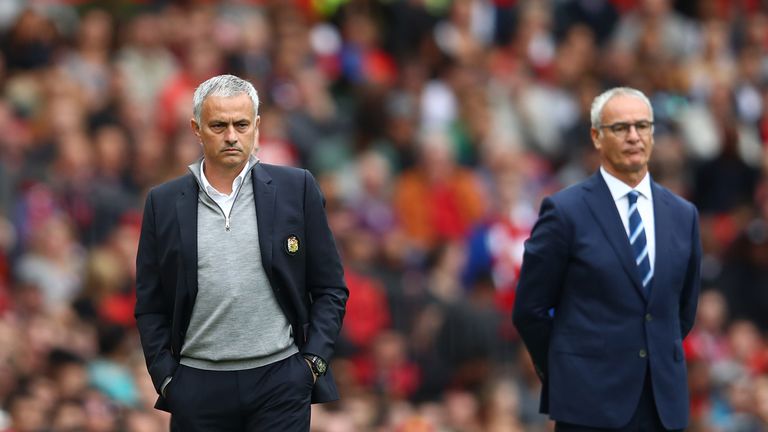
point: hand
(309, 365)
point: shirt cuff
(166, 381)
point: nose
(230, 136)
(632, 134)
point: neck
(221, 179)
(632, 179)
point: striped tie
(638, 241)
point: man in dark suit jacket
(609, 286)
(240, 289)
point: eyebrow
(220, 121)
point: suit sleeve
(541, 278)
(152, 310)
(692, 285)
(325, 275)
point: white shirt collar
(619, 189)
(235, 183)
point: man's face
(228, 131)
(624, 155)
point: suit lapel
(662, 220)
(264, 196)
(186, 212)
(603, 208)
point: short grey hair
(223, 86)
(596, 112)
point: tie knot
(632, 195)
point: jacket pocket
(578, 344)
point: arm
(690, 293)
(541, 279)
(152, 311)
(325, 275)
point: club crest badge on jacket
(292, 244)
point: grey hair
(596, 112)
(223, 86)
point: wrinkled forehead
(239, 105)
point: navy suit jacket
(309, 285)
(605, 333)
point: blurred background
(435, 128)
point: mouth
(231, 150)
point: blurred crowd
(435, 128)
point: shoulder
(173, 187)
(281, 170)
(284, 177)
(676, 202)
(573, 194)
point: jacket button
(648, 317)
(643, 353)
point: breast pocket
(292, 241)
(677, 263)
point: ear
(195, 127)
(595, 133)
(256, 124)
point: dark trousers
(645, 419)
(275, 397)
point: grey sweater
(236, 321)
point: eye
(242, 126)
(642, 126)
(217, 127)
(619, 127)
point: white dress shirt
(619, 191)
(223, 200)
